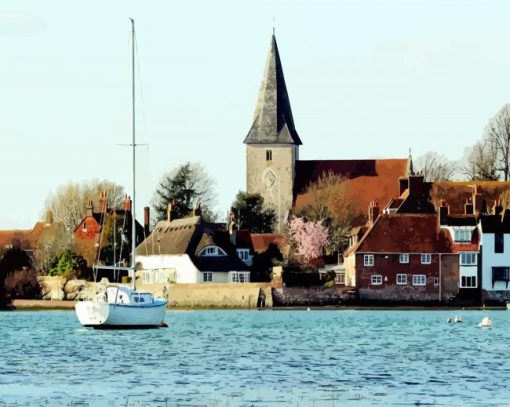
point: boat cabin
(125, 295)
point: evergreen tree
(251, 214)
(185, 186)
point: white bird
(457, 319)
(448, 320)
(486, 323)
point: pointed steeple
(273, 122)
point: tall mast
(133, 206)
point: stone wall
(298, 296)
(247, 295)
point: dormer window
(269, 155)
(212, 251)
(462, 235)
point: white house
(190, 251)
(495, 256)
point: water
(254, 358)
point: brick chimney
(146, 220)
(89, 208)
(373, 211)
(477, 200)
(127, 203)
(170, 212)
(498, 208)
(444, 210)
(469, 209)
(197, 210)
(416, 184)
(103, 202)
(403, 184)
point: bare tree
(497, 134)
(480, 164)
(435, 167)
(68, 202)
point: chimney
(49, 217)
(477, 200)
(169, 211)
(197, 211)
(416, 184)
(444, 210)
(230, 227)
(403, 184)
(126, 203)
(146, 220)
(468, 207)
(373, 211)
(103, 202)
(498, 208)
(89, 208)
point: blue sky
(365, 78)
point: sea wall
(290, 296)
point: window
(84, 227)
(436, 281)
(426, 258)
(212, 251)
(468, 282)
(401, 279)
(499, 243)
(207, 277)
(239, 276)
(468, 259)
(404, 258)
(243, 254)
(269, 155)
(419, 279)
(462, 235)
(376, 279)
(368, 260)
(500, 274)
(340, 278)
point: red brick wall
(388, 266)
(92, 229)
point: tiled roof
(367, 180)
(405, 233)
(27, 239)
(496, 223)
(262, 241)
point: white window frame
(239, 276)
(404, 258)
(401, 279)
(368, 260)
(436, 281)
(84, 226)
(243, 254)
(419, 280)
(212, 250)
(340, 278)
(376, 279)
(466, 279)
(426, 258)
(462, 235)
(207, 277)
(465, 255)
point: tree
(185, 186)
(251, 214)
(497, 134)
(53, 242)
(14, 261)
(331, 206)
(68, 202)
(481, 163)
(68, 264)
(435, 167)
(309, 238)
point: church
(273, 167)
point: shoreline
(53, 305)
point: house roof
(273, 122)
(367, 181)
(461, 220)
(404, 233)
(220, 263)
(27, 239)
(262, 241)
(496, 223)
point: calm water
(245, 358)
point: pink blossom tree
(309, 237)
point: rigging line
(140, 82)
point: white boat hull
(105, 315)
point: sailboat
(119, 306)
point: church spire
(273, 122)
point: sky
(366, 79)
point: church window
(84, 226)
(269, 155)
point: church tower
(272, 144)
